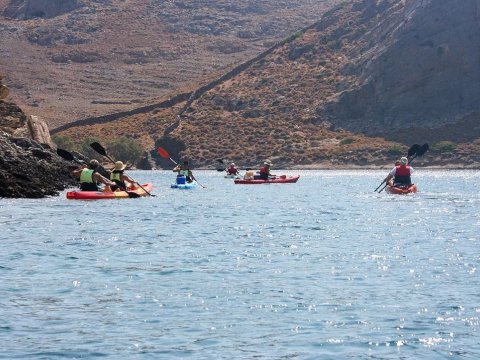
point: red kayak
(98, 195)
(401, 190)
(278, 180)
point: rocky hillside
(410, 70)
(71, 59)
(331, 94)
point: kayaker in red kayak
(184, 169)
(265, 171)
(401, 174)
(118, 176)
(89, 177)
(232, 170)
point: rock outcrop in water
(29, 168)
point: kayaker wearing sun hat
(118, 176)
(265, 170)
(89, 177)
(401, 174)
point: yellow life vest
(116, 175)
(86, 176)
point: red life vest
(232, 170)
(264, 170)
(402, 170)
(402, 175)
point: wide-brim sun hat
(120, 165)
(267, 163)
(404, 161)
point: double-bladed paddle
(164, 153)
(101, 150)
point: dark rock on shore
(29, 170)
(29, 167)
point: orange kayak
(401, 190)
(99, 195)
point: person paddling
(118, 176)
(184, 170)
(232, 170)
(265, 171)
(89, 177)
(401, 174)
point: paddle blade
(98, 148)
(65, 154)
(220, 161)
(220, 169)
(423, 149)
(163, 153)
(413, 150)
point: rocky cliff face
(4, 91)
(31, 9)
(14, 122)
(28, 165)
(30, 170)
(417, 68)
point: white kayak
(232, 176)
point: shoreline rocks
(31, 170)
(29, 167)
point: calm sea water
(321, 269)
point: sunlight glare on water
(325, 268)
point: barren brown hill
(70, 59)
(401, 70)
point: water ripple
(313, 270)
